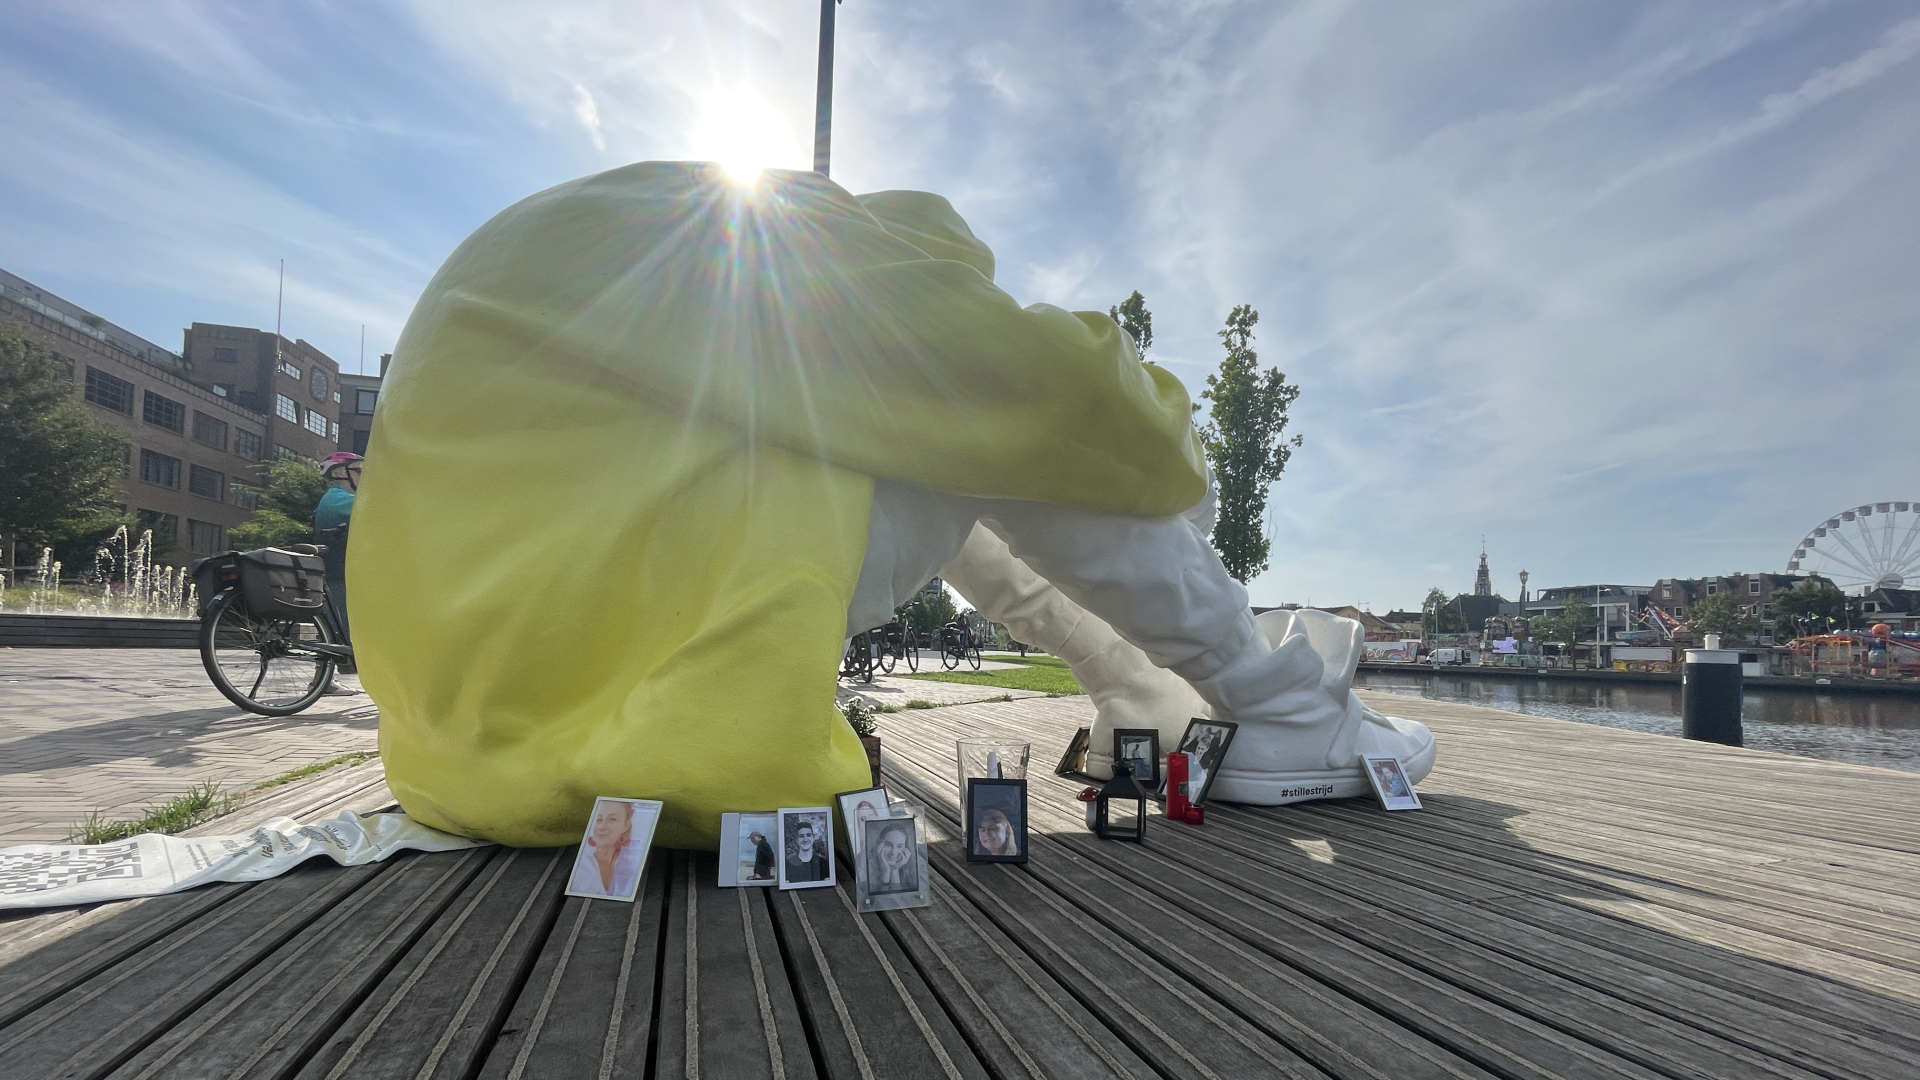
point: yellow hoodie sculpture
(617, 497)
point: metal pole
(823, 92)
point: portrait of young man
(806, 841)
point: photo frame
(996, 820)
(806, 847)
(863, 804)
(1074, 762)
(1207, 742)
(745, 861)
(891, 873)
(1390, 783)
(614, 848)
(1141, 747)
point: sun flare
(744, 134)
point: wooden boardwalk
(1574, 902)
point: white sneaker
(1302, 732)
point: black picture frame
(1074, 762)
(1125, 737)
(1198, 729)
(1007, 798)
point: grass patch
(916, 703)
(200, 804)
(1046, 674)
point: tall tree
(1245, 440)
(1433, 612)
(59, 467)
(1720, 614)
(1135, 319)
(1812, 606)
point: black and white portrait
(996, 820)
(1206, 742)
(892, 855)
(1140, 749)
(860, 806)
(806, 847)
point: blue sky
(1630, 289)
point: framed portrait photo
(1074, 762)
(1140, 748)
(862, 805)
(747, 849)
(613, 851)
(890, 872)
(806, 847)
(996, 820)
(1206, 742)
(1390, 783)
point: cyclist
(330, 520)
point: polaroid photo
(806, 847)
(1390, 783)
(1140, 748)
(613, 851)
(996, 820)
(891, 871)
(858, 806)
(747, 849)
(1074, 762)
(1206, 742)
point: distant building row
(200, 424)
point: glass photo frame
(749, 851)
(1391, 784)
(613, 850)
(864, 804)
(891, 871)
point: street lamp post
(823, 92)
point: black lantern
(1120, 809)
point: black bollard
(1710, 694)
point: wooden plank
(871, 1012)
(271, 1020)
(96, 1025)
(726, 1007)
(437, 1011)
(588, 1007)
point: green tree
(1436, 615)
(1813, 606)
(59, 467)
(1720, 614)
(1135, 319)
(928, 612)
(1245, 440)
(1575, 623)
(286, 508)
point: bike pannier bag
(280, 584)
(212, 576)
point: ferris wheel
(1876, 546)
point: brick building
(193, 454)
(293, 387)
(1676, 596)
(359, 395)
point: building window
(364, 401)
(1753, 586)
(165, 529)
(159, 469)
(108, 392)
(203, 537)
(285, 409)
(287, 368)
(1679, 613)
(319, 385)
(244, 497)
(164, 412)
(246, 445)
(334, 432)
(316, 423)
(1711, 588)
(222, 389)
(336, 397)
(210, 430)
(211, 483)
(360, 441)
(230, 355)
(284, 453)
(1767, 610)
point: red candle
(1177, 786)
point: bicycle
(858, 663)
(897, 646)
(956, 649)
(273, 654)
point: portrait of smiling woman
(614, 850)
(891, 863)
(996, 820)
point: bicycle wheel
(264, 665)
(913, 655)
(949, 656)
(973, 656)
(886, 658)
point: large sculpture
(652, 441)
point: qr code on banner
(64, 866)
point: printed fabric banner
(59, 875)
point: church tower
(1483, 581)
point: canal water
(1863, 729)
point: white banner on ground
(59, 875)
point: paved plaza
(118, 730)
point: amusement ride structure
(1873, 546)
